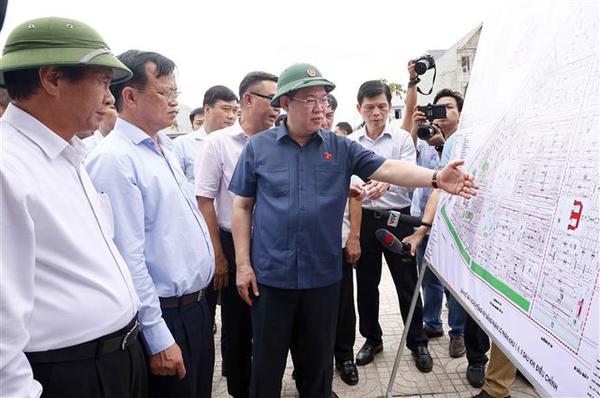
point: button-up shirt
(218, 156)
(186, 149)
(63, 280)
(158, 227)
(300, 194)
(92, 141)
(427, 156)
(392, 143)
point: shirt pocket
(329, 182)
(105, 215)
(275, 182)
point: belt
(181, 301)
(378, 214)
(117, 341)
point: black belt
(181, 301)
(378, 214)
(117, 341)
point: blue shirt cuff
(158, 337)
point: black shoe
(294, 374)
(476, 374)
(432, 334)
(423, 359)
(334, 395)
(367, 353)
(348, 372)
(484, 394)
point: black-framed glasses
(311, 102)
(267, 97)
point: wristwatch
(434, 182)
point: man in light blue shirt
(158, 229)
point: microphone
(393, 244)
(411, 221)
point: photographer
(475, 341)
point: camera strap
(432, 83)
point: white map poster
(522, 256)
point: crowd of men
(116, 249)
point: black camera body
(424, 63)
(425, 130)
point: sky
(218, 42)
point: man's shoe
(484, 394)
(294, 374)
(348, 372)
(423, 359)
(432, 334)
(457, 346)
(367, 353)
(334, 395)
(476, 374)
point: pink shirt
(214, 167)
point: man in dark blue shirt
(291, 185)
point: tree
(395, 88)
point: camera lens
(425, 131)
(421, 67)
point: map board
(522, 256)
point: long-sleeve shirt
(186, 149)
(62, 280)
(158, 228)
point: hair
(345, 126)
(332, 102)
(446, 92)
(373, 88)
(136, 61)
(215, 93)
(197, 111)
(22, 84)
(253, 78)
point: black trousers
(368, 275)
(345, 334)
(191, 326)
(237, 327)
(117, 374)
(302, 321)
(477, 343)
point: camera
(424, 63)
(425, 130)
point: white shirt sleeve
(179, 152)
(208, 170)
(17, 284)
(407, 152)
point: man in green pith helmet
(291, 184)
(67, 301)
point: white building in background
(453, 66)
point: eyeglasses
(170, 95)
(267, 97)
(311, 102)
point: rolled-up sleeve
(115, 176)
(17, 284)
(243, 181)
(208, 171)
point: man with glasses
(219, 110)
(158, 228)
(215, 165)
(291, 184)
(374, 105)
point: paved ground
(446, 380)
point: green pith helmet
(56, 41)
(299, 76)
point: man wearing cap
(158, 228)
(291, 185)
(67, 304)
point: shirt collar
(236, 129)
(47, 140)
(137, 135)
(282, 131)
(199, 134)
(363, 132)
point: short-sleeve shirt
(300, 194)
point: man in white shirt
(197, 118)
(374, 105)
(67, 301)
(216, 162)
(220, 111)
(106, 126)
